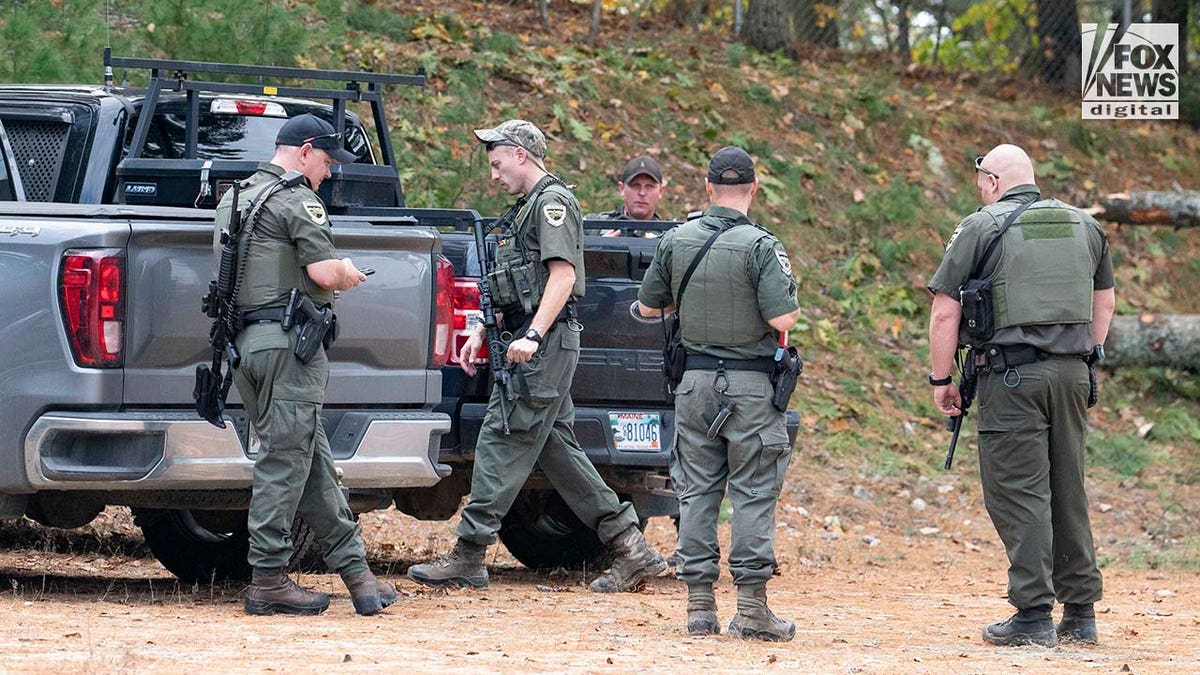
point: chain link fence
(1036, 40)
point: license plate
(636, 430)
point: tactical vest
(271, 264)
(518, 279)
(1045, 269)
(720, 307)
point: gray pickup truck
(105, 215)
(105, 257)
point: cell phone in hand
(367, 270)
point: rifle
(502, 372)
(220, 305)
(966, 392)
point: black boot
(273, 592)
(1078, 624)
(369, 594)
(462, 566)
(634, 562)
(1027, 627)
(755, 620)
(702, 610)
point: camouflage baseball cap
(516, 132)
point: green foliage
(225, 30)
(54, 42)
(1176, 422)
(383, 21)
(989, 36)
(1125, 455)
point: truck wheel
(543, 533)
(197, 546)
(201, 546)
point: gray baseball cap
(518, 133)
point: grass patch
(1125, 455)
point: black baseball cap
(642, 165)
(731, 166)
(308, 128)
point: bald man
(1051, 303)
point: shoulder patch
(784, 262)
(556, 214)
(315, 210)
(954, 235)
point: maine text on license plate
(636, 430)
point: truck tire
(197, 546)
(200, 546)
(542, 532)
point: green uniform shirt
(551, 228)
(293, 230)
(767, 274)
(966, 248)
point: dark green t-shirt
(966, 247)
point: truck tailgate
(381, 357)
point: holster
(315, 329)
(209, 397)
(674, 362)
(787, 369)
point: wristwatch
(533, 335)
(949, 379)
(1097, 354)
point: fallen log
(1179, 208)
(1171, 340)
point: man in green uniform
(738, 301)
(538, 278)
(287, 244)
(1052, 288)
(641, 187)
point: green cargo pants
(1032, 432)
(541, 433)
(750, 455)
(294, 471)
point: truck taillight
(443, 342)
(467, 315)
(93, 310)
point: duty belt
(1001, 358)
(263, 315)
(518, 320)
(764, 364)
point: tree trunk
(1176, 12)
(815, 21)
(903, 24)
(767, 26)
(1154, 340)
(1181, 209)
(1059, 43)
(595, 29)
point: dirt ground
(881, 577)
